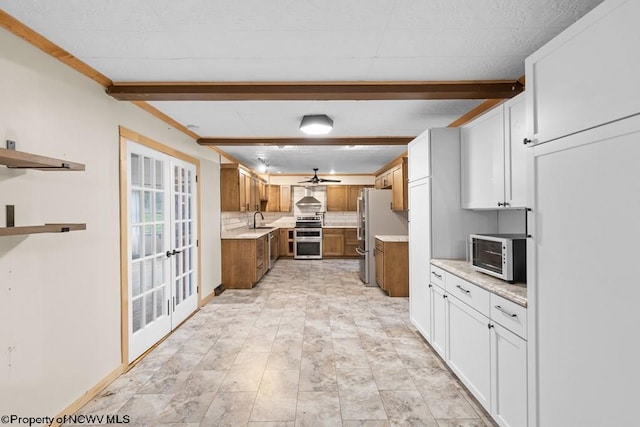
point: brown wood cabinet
(395, 178)
(244, 262)
(286, 242)
(392, 267)
(400, 199)
(343, 198)
(332, 242)
(285, 198)
(350, 242)
(352, 198)
(337, 198)
(239, 191)
(339, 242)
(273, 202)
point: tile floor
(310, 345)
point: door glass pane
(177, 291)
(190, 287)
(148, 275)
(135, 170)
(184, 181)
(134, 206)
(136, 278)
(176, 174)
(159, 175)
(177, 207)
(136, 242)
(159, 206)
(184, 207)
(189, 199)
(178, 258)
(160, 302)
(136, 308)
(158, 271)
(148, 308)
(176, 241)
(148, 240)
(185, 293)
(148, 196)
(159, 239)
(190, 255)
(184, 234)
(148, 171)
(190, 233)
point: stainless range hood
(308, 200)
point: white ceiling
(303, 40)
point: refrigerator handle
(359, 216)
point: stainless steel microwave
(501, 255)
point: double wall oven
(307, 238)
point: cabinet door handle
(466, 291)
(505, 311)
(500, 204)
(526, 141)
(430, 285)
(439, 276)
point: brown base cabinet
(244, 262)
(339, 242)
(392, 267)
(286, 242)
(350, 242)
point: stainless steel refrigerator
(375, 217)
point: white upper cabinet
(587, 75)
(419, 162)
(494, 158)
(482, 161)
(516, 152)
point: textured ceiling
(304, 40)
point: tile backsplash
(232, 220)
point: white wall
(60, 293)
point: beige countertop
(246, 233)
(399, 238)
(516, 292)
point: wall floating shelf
(47, 228)
(20, 160)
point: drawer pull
(506, 312)
(439, 276)
(466, 291)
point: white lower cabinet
(438, 320)
(489, 359)
(508, 377)
(470, 349)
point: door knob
(169, 253)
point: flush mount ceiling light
(317, 124)
(262, 165)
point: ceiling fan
(316, 180)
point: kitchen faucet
(254, 218)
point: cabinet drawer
(468, 293)
(509, 314)
(437, 276)
(379, 245)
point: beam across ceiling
(316, 91)
(355, 140)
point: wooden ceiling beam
(355, 140)
(316, 91)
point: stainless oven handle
(360, 252)
(466, 291)
(505, 311)
(494, 253)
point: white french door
(162, 282)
